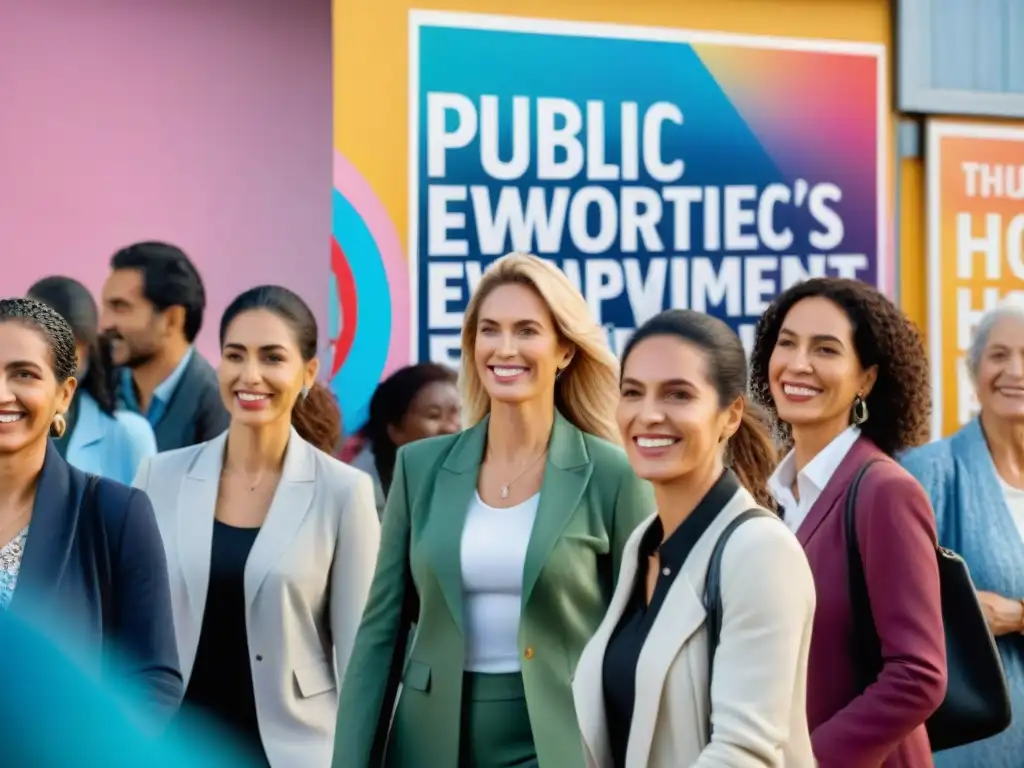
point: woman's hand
(1003, 614)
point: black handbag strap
(867, 649)
(713, 587)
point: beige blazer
(306, 582)
(758, 697)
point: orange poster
(975, 250)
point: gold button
(528, 653)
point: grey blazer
(306, 582)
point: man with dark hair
(153, 304)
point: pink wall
(206, 123)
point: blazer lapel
(452, 493)
(681, 615)
(588, 679)
(835, 489)
(291, 502)
(180, 409)
(196, 508)
(51, 534)
(565, 478)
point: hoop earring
(58, 426)
(860, 410)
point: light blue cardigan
(974, 521)
(111, 446)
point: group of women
(233, 575)
(609, 567)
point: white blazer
(306, 582)
(757, 700)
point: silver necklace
(250, 483)
(504, 489)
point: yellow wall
(912, 244)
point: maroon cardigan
(884, 725)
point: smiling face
(262, 372)
(517, 349)
(435, 410)
(132, 325)
(1000, 376)
(30, 394)
(669, 414)
(814, 372)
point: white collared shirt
(812, 479)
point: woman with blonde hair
(502, 544)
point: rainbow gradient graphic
(804, 120)
(369, 295)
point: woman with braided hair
(80, 555)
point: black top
(623, 651)
(221, 682)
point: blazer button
(258, 657)
(528, 653)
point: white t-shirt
(493, 553)
(1015, 502)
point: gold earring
(59, 426)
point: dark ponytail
(316, 417)
(751, 452)
(75, 304)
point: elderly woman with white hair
(975, 479)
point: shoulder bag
(977, 703)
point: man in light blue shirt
(153, 304)
(161, 395)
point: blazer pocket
(417, 676)
(314, 679)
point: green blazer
(590, 502)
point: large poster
(657, 167)
(975, 250)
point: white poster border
(420, 19)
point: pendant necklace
(255, 483)
(504, 488)
(251, 484)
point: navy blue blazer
(94, 577)
(195, 412)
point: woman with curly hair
(843, 373)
